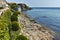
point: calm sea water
(48, 17)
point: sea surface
(47, 16)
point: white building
(19, 8)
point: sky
(38, 3)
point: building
(3, 3)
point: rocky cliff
(34, 31)
(24, 7)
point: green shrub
(14, 18)
(16, 13)
(21, 37)
(13, 5)
(15, 26)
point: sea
(48, 16)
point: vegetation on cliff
(17, 26)
(4, 28)
(21, 37)
(9, 30)
(15, 6)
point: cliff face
(24, 7)
(34, 31)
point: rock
(34, 31)
(24, 7)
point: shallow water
(48, 17)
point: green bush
(16, 13)
(21, 37)
(15, 26)
(13, 5)
(6, 19)
(14, 30)
(14, 18)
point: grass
(6, 32)
(5, 26)
(4, 22)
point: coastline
(27, 26)
(30, 28)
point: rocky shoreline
(34, 31)
(29, 28)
